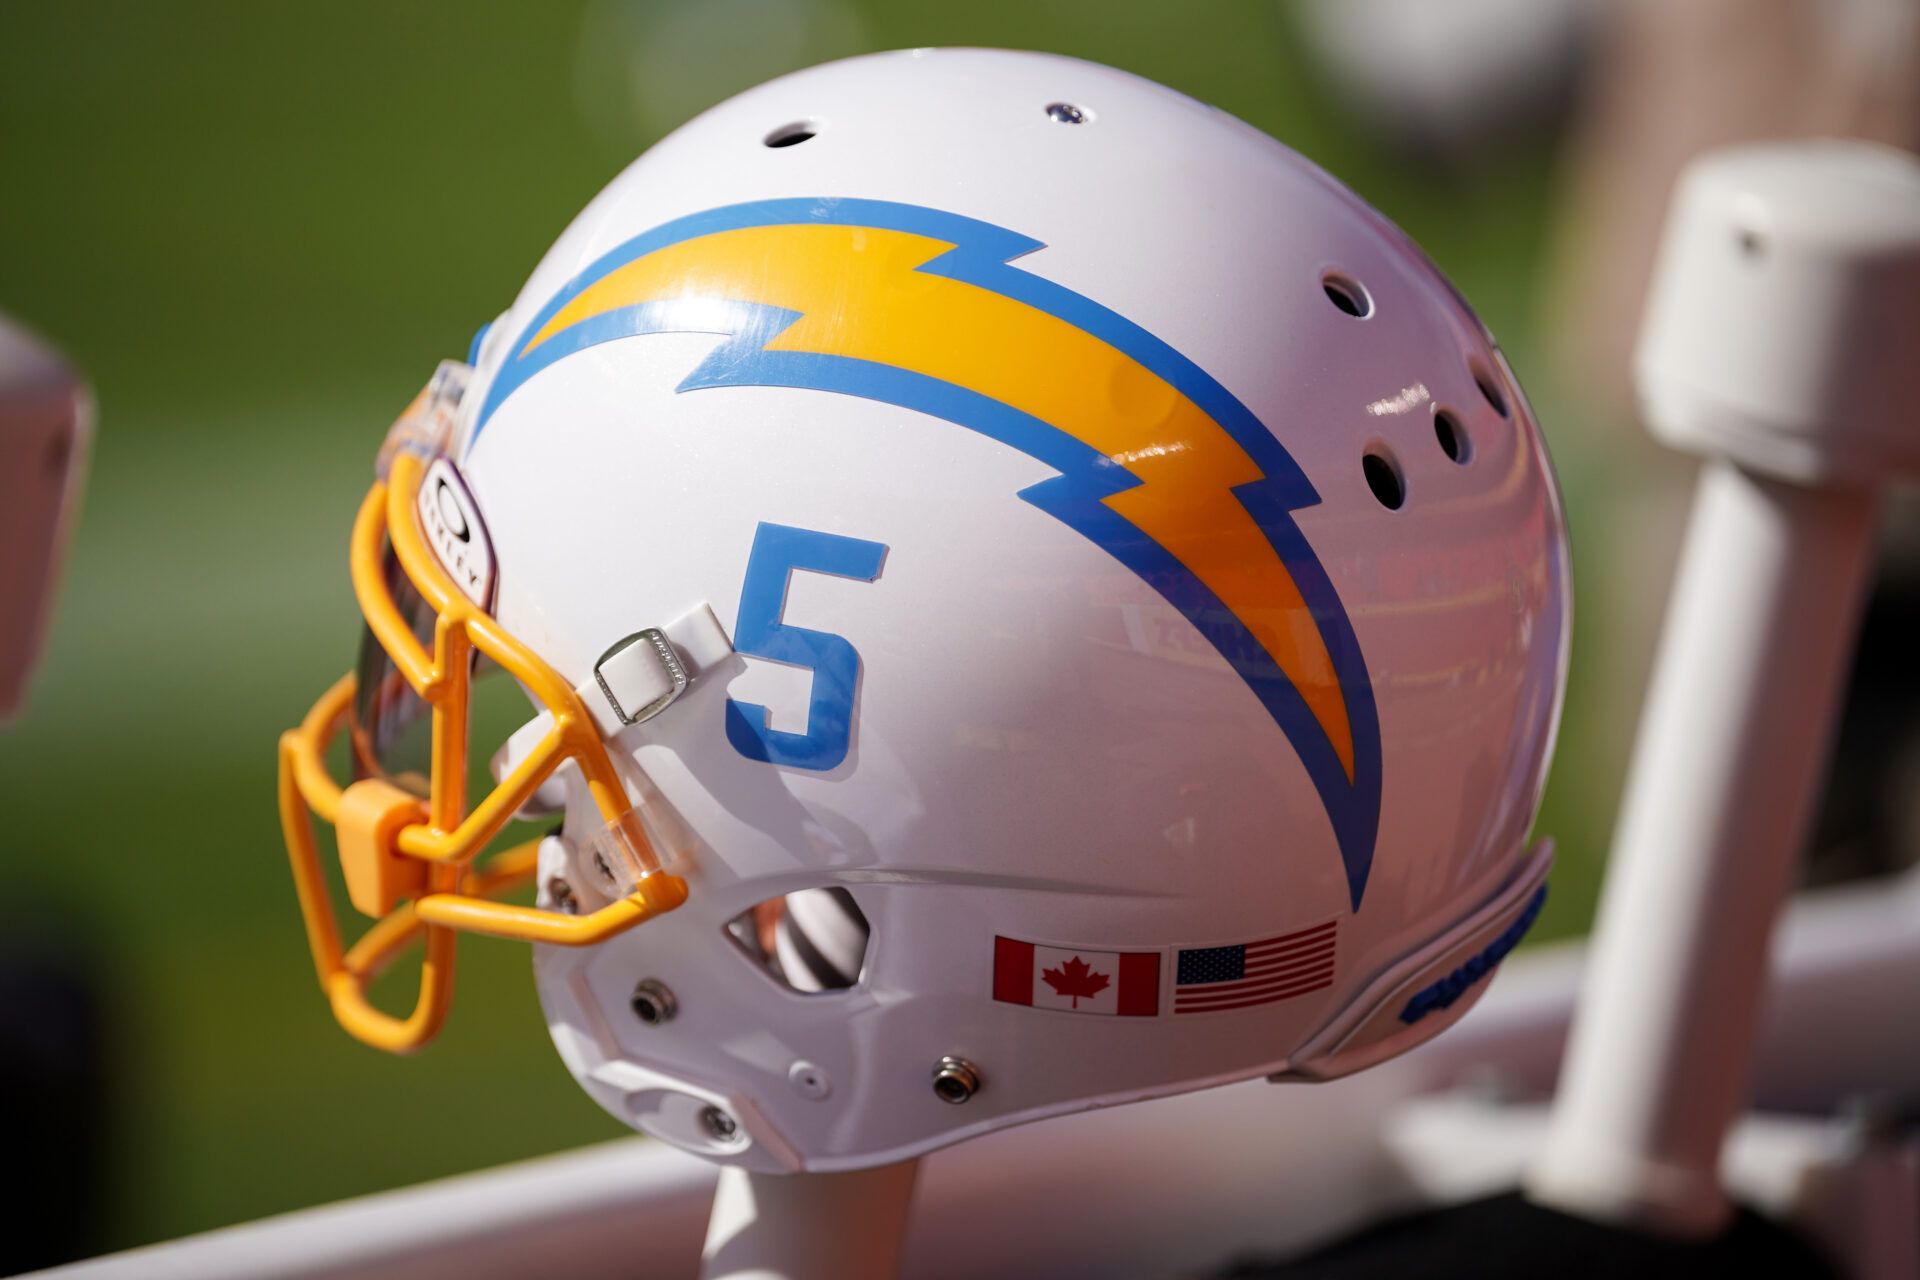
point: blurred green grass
(257, 228)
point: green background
(257, 228)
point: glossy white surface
(1043, 747)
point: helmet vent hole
(810, 941)
(1347, 294)
(1490, 388)
(1452, 437)
(1383, 477)
(790, 135)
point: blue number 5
(778, 550)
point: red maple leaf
(1075, 979)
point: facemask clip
(643, 672)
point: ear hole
(1452, 436)
(1490, 388)
(1347, 294)
(1383, 477)
(810, 941)
(790, 135)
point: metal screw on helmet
(562, 895)
(722, 1126)
(955, 1080)
(1066, 113)
(653, 1002)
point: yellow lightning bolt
(859, 295)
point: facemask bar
(408, 861)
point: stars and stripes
(1208, 979)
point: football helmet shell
(1076, 604)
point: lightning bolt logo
(1158, 463)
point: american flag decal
(1208, 979)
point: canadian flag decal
(1123, 983)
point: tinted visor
(391, 728)
(391, 725)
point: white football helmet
(1036, 597)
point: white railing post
(1782, 345)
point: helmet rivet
(653, 1002)
(722, 1126)
(809, 1081)
(561, 894)
(955, 1080)
(1066, 113)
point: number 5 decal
(778, 550)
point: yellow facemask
(408, 860)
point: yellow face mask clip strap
(396, 847)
